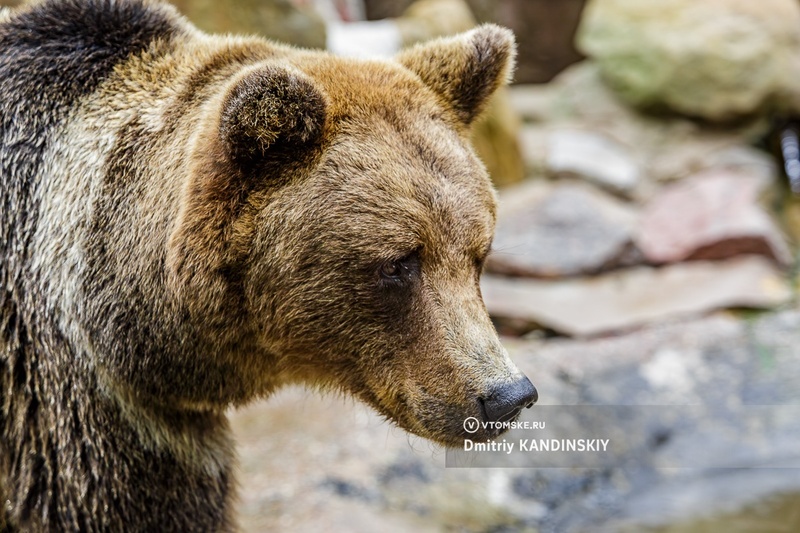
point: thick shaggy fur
(188, 222)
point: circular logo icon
(471, 424)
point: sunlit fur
(188, 222)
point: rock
(567, 229)
(776, 377)
(681, 154)
(283, 20)
(741, 157)
(592, 156)
(710, 409)
(628, 298)
(763, 499)
(711, 215)
(580, 96)
(532, 102)
(664, 149)
(533, 145)
(790, 217)
(582, 360)
(717, 59)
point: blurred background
(646, 253)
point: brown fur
(197, 221)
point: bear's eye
(479, 264)
(392, 269)
(399, 270)
(480, 260)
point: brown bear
(190, 222)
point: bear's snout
(507, 400)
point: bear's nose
(507, 400)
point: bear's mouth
(450, 424)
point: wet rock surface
(311, 463)
(725, 365)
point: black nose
(507, 400)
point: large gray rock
(741, 379)
(556, 230)
(628, 298)
(680, 156)
(593, 156)
(717, 59)
(712, 215)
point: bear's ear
(267, 109)
(465, 69)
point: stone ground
(319, 463)
(648, 265)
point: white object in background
(380, 38)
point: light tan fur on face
(390, 182)
(406, 179)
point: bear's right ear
(466, 69)
(269, 108)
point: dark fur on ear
(466, 69)
(270, 107)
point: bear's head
(338, 219)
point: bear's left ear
(465, 69)
(270, 108)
